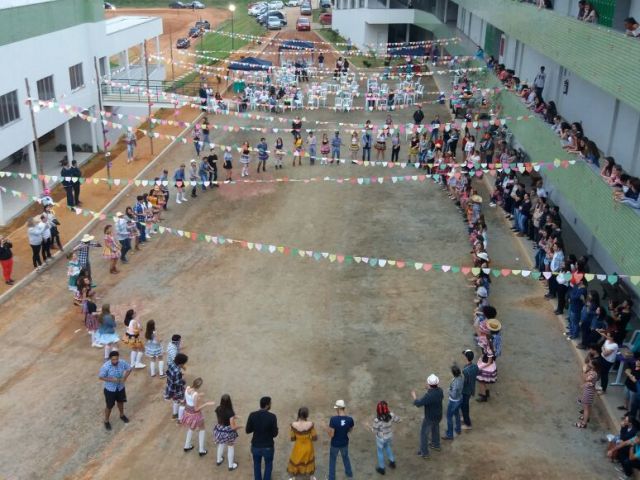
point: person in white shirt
(607, 358)
(538, 82)
(34, 232)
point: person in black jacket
(418, 116)
(75, 171)
(6, 259)
(264, 426)
(67, 172)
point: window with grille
(76, 77)
(9, 110)
(45, 88)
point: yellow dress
(302, 460)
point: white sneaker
(140, 365)
(178, 200)
(184, 199)
(97, 345)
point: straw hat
(340, 404)
(494, 325)
(476, 198)
(87, 238)
(119, 214)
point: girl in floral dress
(325, 148)
(132, 338)
(111, 249)
(354, 148)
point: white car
(274, 23)
(198, 5)
(257, 9)
(294, 3)
(276, 5)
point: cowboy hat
(483, 255)
(433, 380)
(119, 214)
(494, 325)
(340, 404)
(476, 198)
(87, 238)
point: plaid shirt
(82, 249)
(175, 383)
(115, 371)
(172, 351)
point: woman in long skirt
(111, 249)
(488, 373)
(226, 431)
(193, 418)
(302, 460)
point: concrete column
(408, 33)
(388, 3)
(158, 51)
(67, 140)
(126, 63)
(92, 126)
(33, 168)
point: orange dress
(302, 460)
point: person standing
(336, 143)
(538, 82)
(106, 334)
(245, 159)
(418, 116)
(470, 373)
(321, 61)
(296, 127)
(608, 355)
(395, 147)
(114, 374)
(122, 234)
(204, 173)
(226, 431)
(163, 182)
(111, 250)
(82, 249)
(173, 348)
(432, 403)
(132, 338)
(366, 146)
(264, 426)
(75, 172)
(46, 238)
(6, 259)
(212, 159)
(178, 179)
(66, 173)
(302, 460)
(263, 154)
(34, 232)
(455, 401)
(176, 384)
(141, 218)
(382, 427)
(340, 425)
(153, 348)
(193, 418)
(131, 146)
(312, 141)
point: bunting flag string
(371, 261)
(476, 169)
(370, 45)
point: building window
(45, 88)
(9, 108)
(76, 77)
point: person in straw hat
(340, 425)
(488, 371)
(432, 403)
(83, 249)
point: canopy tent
(295, 45)
(251, 64)
(299, 50)
(413, 51)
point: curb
(23, 282)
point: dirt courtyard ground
(304, 332)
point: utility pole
(146, 73)
(106, 154)
(173, 75)
(35, 135)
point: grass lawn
(358, 60)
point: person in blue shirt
(366, 146)
(336, 143)
(340, 425)
(178, 179)
(141, 218)
(263, 154)
(114, 374)
(577, 298)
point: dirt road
(304, 332)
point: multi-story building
(56, 50)
(592, 73)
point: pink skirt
(192, 419)
(488, 372)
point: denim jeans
(453, 412)
(204, 177)
(464, 408)
(429, 426)
(366, 154)
(125, 246)
(143, 231)
(258, 454)
(335, 152)
(312, 154)
(384, 446)
(333, 455)
(574, 323)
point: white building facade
(57, 50)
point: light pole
(232, 8)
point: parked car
(203, 24)
(303, 23)
(183, 43)
(325, 3)
(325, 19)
(194, 32)
(264, 18)
(196, 5)
(109, 6)
(294, 3)
(276, 5)
(257, 9)
(177, 5)
(274, 23)
(305, 8)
